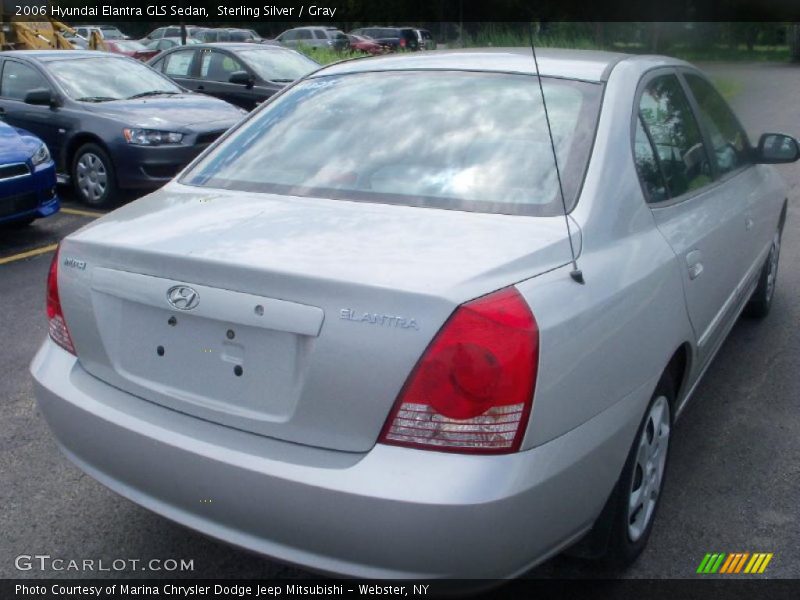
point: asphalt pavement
(734, 476)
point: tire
(93, 176)
(627, 519)
(760, 302)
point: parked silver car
(314, 37)
(379, 359)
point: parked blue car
(27, 177)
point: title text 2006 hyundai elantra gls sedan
(383, 362)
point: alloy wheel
(648, 475)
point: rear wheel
(93, 175)
(627, 519)
(761, 301)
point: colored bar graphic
(740, 564)
(719, 562)
(728, 563)
(703, 563)
(764, 564)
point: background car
(171, 31)
(131, 48)
(425, 39)
(472, 341)
(362, 43)
(110, 122)
(243, 74)
(227, 34)
(393, 38)
(80, 38)
(27, 178)
(166, 43)
(314, 37)
(107, 32)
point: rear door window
(668, 119)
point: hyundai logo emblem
(183, 297)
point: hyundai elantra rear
(346, 336)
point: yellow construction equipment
(16, 34)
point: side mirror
(776, 148)
(241, 78)
(41, 97)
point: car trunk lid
(294, 318)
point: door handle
(693, 264)
(748, 223)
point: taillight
(58, 326)
(402, 43)
(472, 389)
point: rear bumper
(389, 513)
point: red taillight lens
(473, 388)
(58, 326)
(402, 43)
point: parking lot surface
(734, 476)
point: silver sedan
(446, 337)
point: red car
(365, 44)
(130, 48)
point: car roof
(45, 56)
(586, 65)
(239, 46)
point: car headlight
(42, 155)
(151, 137)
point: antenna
(576, 273)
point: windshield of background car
(112, 33)
(106, 78)
(275, 65)
(454, 140)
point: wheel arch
(78, 140)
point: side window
(304, 34)
(179, 63)
(19, 79)
(668, 118)
(288, 36)
(320, 35)
(157, 34)
(731, 149)
(217, 66)
(648, 167)
(158, 65)
(172, 32)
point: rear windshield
(468, 141)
